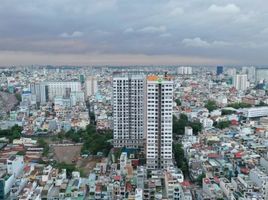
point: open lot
(67, 154)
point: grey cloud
(227, 9)
(74, 34)
(198, 42)
(215, 30)
(147, 29)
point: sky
(134, 32)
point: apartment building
(158, 127)
(128, 111)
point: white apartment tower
(158, 127)
(128, 111)
(51, 89)
(185, 70)
(240, 82)
(251, 72)
(91, 86)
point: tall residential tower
(128, 111)
(158, 127)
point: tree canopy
(238, 105)
(211, 105)
(93, 142)
(180, 158)
(12, 133)
(180, 124)
(223, 124)
(178, 102)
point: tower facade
(91, 86)
(158, 127)
(128, 111)
(219, 70)
(241, 82)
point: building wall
(241, 82)
(91, 86)
(128, 111)
(159, 98)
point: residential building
(51, 89)
(185, 70)
(91, 86)
(128, 111)
(158, 127)
(219, 70)
(241, 82)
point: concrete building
(58, 88)
(128, 111)
(260, 178)
(231, 71)
(241, 82)
(91, 86)
(159, 98)
(35, 90)
(188, 131)
(255, 112)
(261, 74)
(219, 70)
(77, 97)
(185, 70)
(251, 72)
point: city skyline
(120, 32)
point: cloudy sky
(85, 32)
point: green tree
(180, 124)
(196, 126)
(211, 105)
(180, 158)
(178, 102)
(238, 105)
(18, 96)
(199, 179)
(12, 133)
(227, 112)
(223, 124)
(43, 144)
(261, 104)
(69, 168)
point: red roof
(129, 187)
(234, 122)
(117, 178)
(135, 163)
(213, 155)
(206, 181)
(238, 155)
(216, 179)
(185, 183)
(27, 168)
(244, 170)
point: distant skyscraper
(241, 82)
(219, 70)
(231, 72)
(128, 111)
(251, 72)
(184, 70)
(35, 90)
(91, 86)
(82, 78)
(158, 127)
(261, 74)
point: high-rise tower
(158, 127)
(128, 111)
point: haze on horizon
(125, 32)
